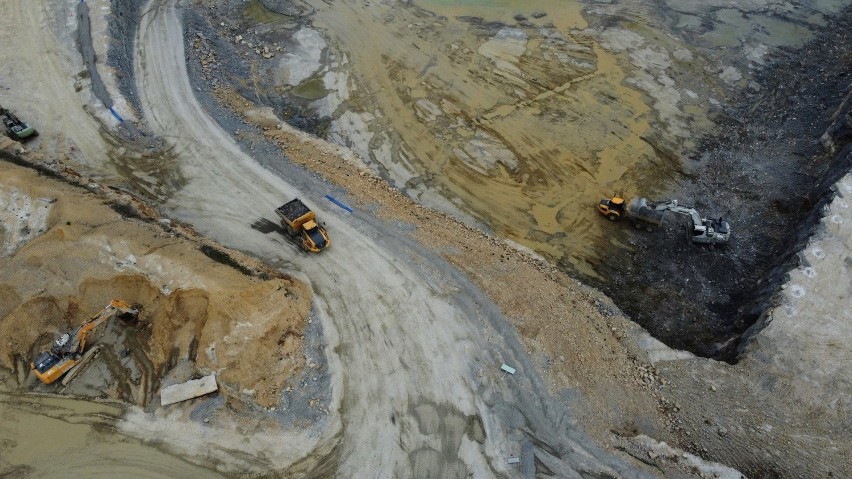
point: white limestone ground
(21, 219)
(302, 61)
(809, 333)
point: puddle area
(58, 437)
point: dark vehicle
(15, 128)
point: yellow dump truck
(300, 222)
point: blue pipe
(338, 203)
(116, 115)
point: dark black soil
(770, 172)
(123, 23)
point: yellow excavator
(67, 349)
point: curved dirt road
(414, 352)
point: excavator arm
(65, 352)
(697, 221)
(116, 307)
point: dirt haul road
(50, 98)
(414, 350)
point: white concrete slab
(188, 390)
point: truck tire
(612, 216)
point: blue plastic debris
(338, 203)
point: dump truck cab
(315, 237)
(612, 208)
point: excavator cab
(44, 361)
(612, 208)
(722, 226)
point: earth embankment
(80, 253)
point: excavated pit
(766, 170)
(197, 313)
(770, 174)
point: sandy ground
(418, 313)
(199, 316)
(194, 308)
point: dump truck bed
(292, 210)
(641, 208)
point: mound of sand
(80, 253)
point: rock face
(803, 338)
